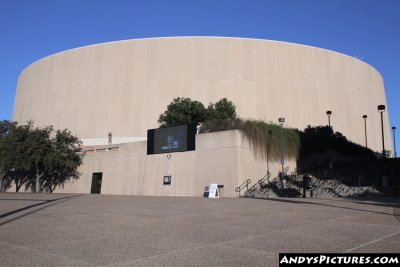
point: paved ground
(97, 230)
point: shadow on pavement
(42, 206)
(335, 206)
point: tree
(323, 138)
(39, 151)
(224, 109)
(63, 160)
(20, 170)
(183, 111)
(6, 130)
(37, 157)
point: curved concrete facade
(122, 87)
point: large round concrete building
(122, 87)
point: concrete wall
(223, 158)
(122, 87)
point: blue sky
(367, 29)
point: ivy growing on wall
(264, 138)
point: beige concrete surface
(103, 230)
(122, 87)
(224, 158)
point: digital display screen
(172, 139)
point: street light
(365, 129)
(110, 138)
(281, 121)
(329, 113)
(268, 149)
(394, 140)
(381, 109)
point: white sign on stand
(214, 193)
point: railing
(285, 170)
(250, 192)
(291, 180)
(243, 185)
(340, 183)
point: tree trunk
(20, 183)
(38, 176)
(17, 187)
(37, 180)
(2, 175)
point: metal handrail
(243, 185)
(258, 184)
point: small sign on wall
(167, 179)
(211, 191)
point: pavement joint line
(393, 241)
(344, 206)
(289, 229)
(247, 249)
(226, 210)
(335, 219)
(68, 259)
(374, 241)
(83, 240)
(159, 255)
(331, 220)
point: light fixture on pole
(329, 113)
(110, 138)
(281, 121)
(381, 109)
(268, 149)
(394, 140)
(365, 129)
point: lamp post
(381, 109)
(394, 140)
(365, 129)
(329, 113)
(110, 138)
(281, 121)
(268, 148)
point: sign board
(167, 179)
(211, 191)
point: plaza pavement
(103, 230)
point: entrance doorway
(96, 182)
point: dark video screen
(172, 139)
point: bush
(264, 138)
(183, 111)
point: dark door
(96, 182)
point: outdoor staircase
(335, 188)
(266, 188)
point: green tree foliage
(224, 109)
(183, 111)
(63, 160)
(265, 139)
(19, 169)
(39, 150)
(7, 128)
(39, 157)
(322, 138)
